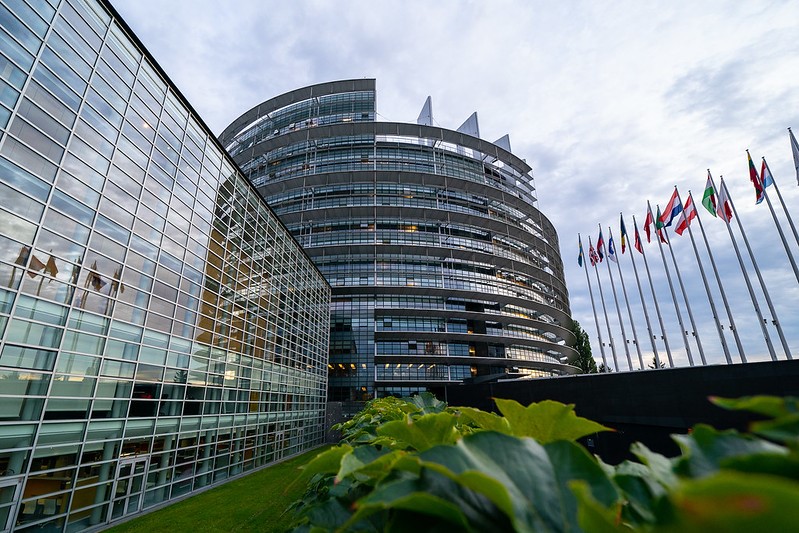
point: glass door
(129, 486)
(9, 497)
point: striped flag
(765, 175)
(687, 215)
(637, 243)
(580, 255)
(672, 209)
(659, 225)
(723, 208)
(623, 234)
(709, 197)
(600, 246)
(754, 177)
(648, 222)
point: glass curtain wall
(160, 330)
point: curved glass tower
(442, 266)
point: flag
(623, 234)
(765, 175)
(35, 266)
(592, 255)
(709, 198)
(755, 178)
(687, 215)
(22, 258)
(612, 251)
(723, 209)
(96, 281)
(637, 244)
(671, 210)
(76, 272)
(648, 222)
(580, 255)
(795, 150)
(659, 225)
(51, 267)
(94, 278)
(116, 286)
(600, 246)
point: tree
(585, 361)
(604, 369)
(654, 363)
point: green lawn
(253, 503)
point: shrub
(417, 465)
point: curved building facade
(442, 266)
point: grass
(252, 503)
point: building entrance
(129, 486)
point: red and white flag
(686, 216)
(723, 207)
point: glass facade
(160, 330)
(441, 264)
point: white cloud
(612, 104)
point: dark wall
(645, 406)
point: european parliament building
(160, 330)
(442, 267)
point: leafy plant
(416, 464)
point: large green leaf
(645, 487)
(571, 461)
(426, 403)
(546, 421)
(423, 432)
(786, 466)
(360, 457)
(521, 478)
(327, 462)
(736, 502)
(771, 406)
(705, 450)
(659, 467)
(410, 494)
(484, 420)
(784, 429)
(396, 495)
(369, 465)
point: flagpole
(777, 222)
(618, 308)
(782, 202)
(695, 330)
(755, 303)
(795, 151)
(605, 310)
(774, 319)
(629, 310)
(671, 288)
(734, 329)
(643, 303)
(593, 306)
(712, 303)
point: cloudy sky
(611, 103)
